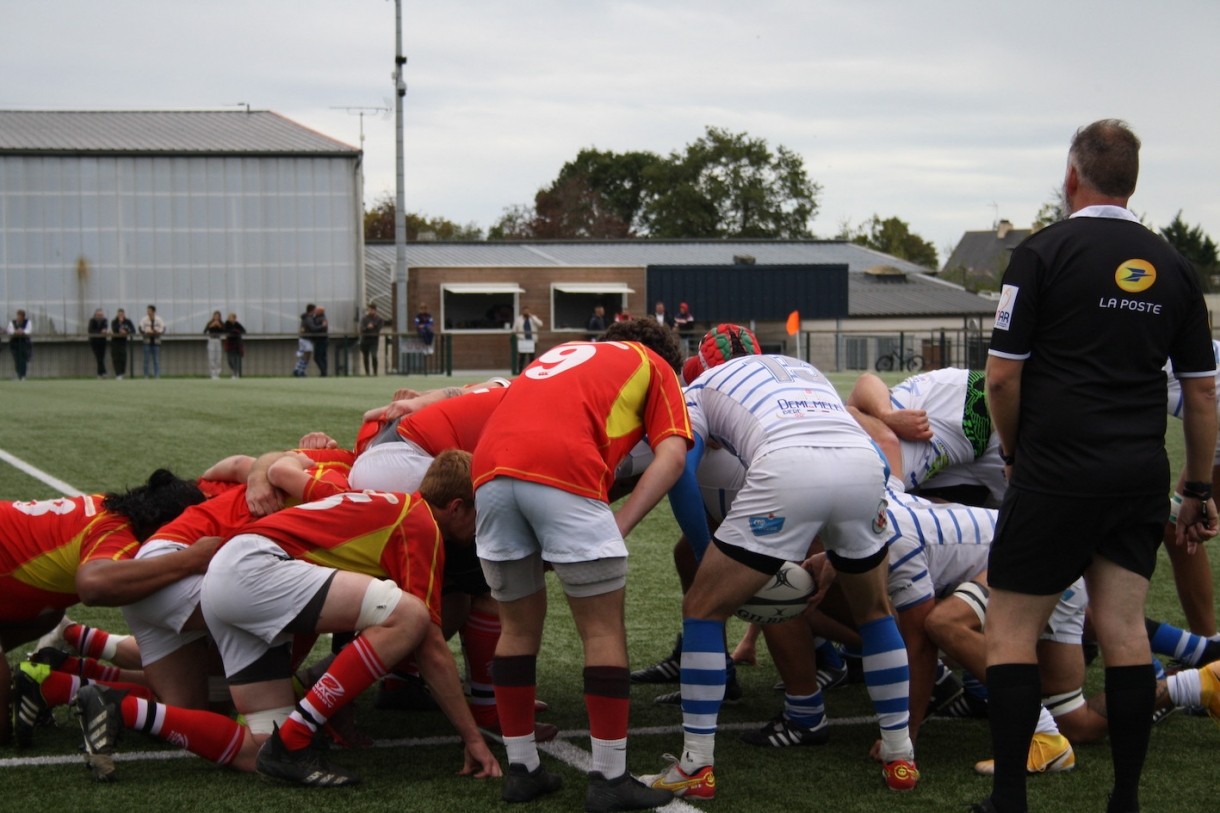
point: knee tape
(1061, 704)
(975, 595)
(593, 578)
(379, 601)
(264, 722)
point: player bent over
(264, 588)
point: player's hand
(874, 753)
(404, 394)
(745, 653)
(824, 575)
(262, 498)
(1197, 523)
(403, 406)
(479, 762)
(202, 552)
(317, 440)
(909, 424)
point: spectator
(152, 328)
(370, 332)
(526, 326)
(120, 329)
(424, 328)
(19, 344)
(321, 340)
(99, 329)
(215, 331)
(685, 324)
(597, 323)
(235, 343)
(304, 342)
(663, 319)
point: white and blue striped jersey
(1174, 387)
(934, 547)
(753, 404)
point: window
(572, 303)
(478, 306)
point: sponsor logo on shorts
(766, 526)
(1135, 276)
(1003, 311)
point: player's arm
(111, 583)
(289, 475)
(1004, 399)
(871, 396)
(686, 501)
(921, 657)
(436, 666)
(262, 497)
(1197, 518)
(232, 469)
(657, 479)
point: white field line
(565, 752)
(39, 474)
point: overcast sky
(945, 113)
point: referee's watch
(1008, 459)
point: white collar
(1106, 210)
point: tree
(722, 185)
(730, 185)
(1195, 246)
(379, 224)
(1052, 211)
(894, 237)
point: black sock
(1014, 697)
(1130, 696)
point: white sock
(609, 757)
(1184, 688)
(112, 646)
(699, 750)
(523, 750)
(1046, 723)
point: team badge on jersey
(1003, 311)
(766, 526)
(1135, 276)
(881, 521)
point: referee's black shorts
(1044, 542)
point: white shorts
(516, 518)
(794, 493)
(1067, 621)
(252, 591)
(157, 620)
(392, 466)
(304, 346)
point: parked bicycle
(899, 360)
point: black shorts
(463, 573)
(1044, 542)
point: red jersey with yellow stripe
(576, 411)
(43, 542)
(381, 534)
(455, 423)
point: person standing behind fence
(597, 323)
(235, 343)
(370, 333)
(526, 326)
(99, 329)
(152, 328)
(425, 328)
(215, 330)
(304, 342)
(19, 343)
(321, 339)
(120, 328)
(684, 323)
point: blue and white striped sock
(703, 678)
(887, 677)
(807, 711)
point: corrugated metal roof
(638, 253)
(179, 132)
(912, 293)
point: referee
(1089, 311)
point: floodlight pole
(400, 207)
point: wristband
(1200, 490)
(1007, 458)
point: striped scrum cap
(718, 345)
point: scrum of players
(227, 581)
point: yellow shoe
(1048, 753)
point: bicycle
(899, 360)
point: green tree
(1052, 211)
(894, 237)
(379, 224)
(730, 185)
(1194, 244)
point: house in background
(979, 260)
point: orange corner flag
(794, 323)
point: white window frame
(604, 288)
(477, 289)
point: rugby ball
(781, 598)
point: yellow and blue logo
(1134, 276)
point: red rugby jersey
(574, 413)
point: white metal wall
(257, 236)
